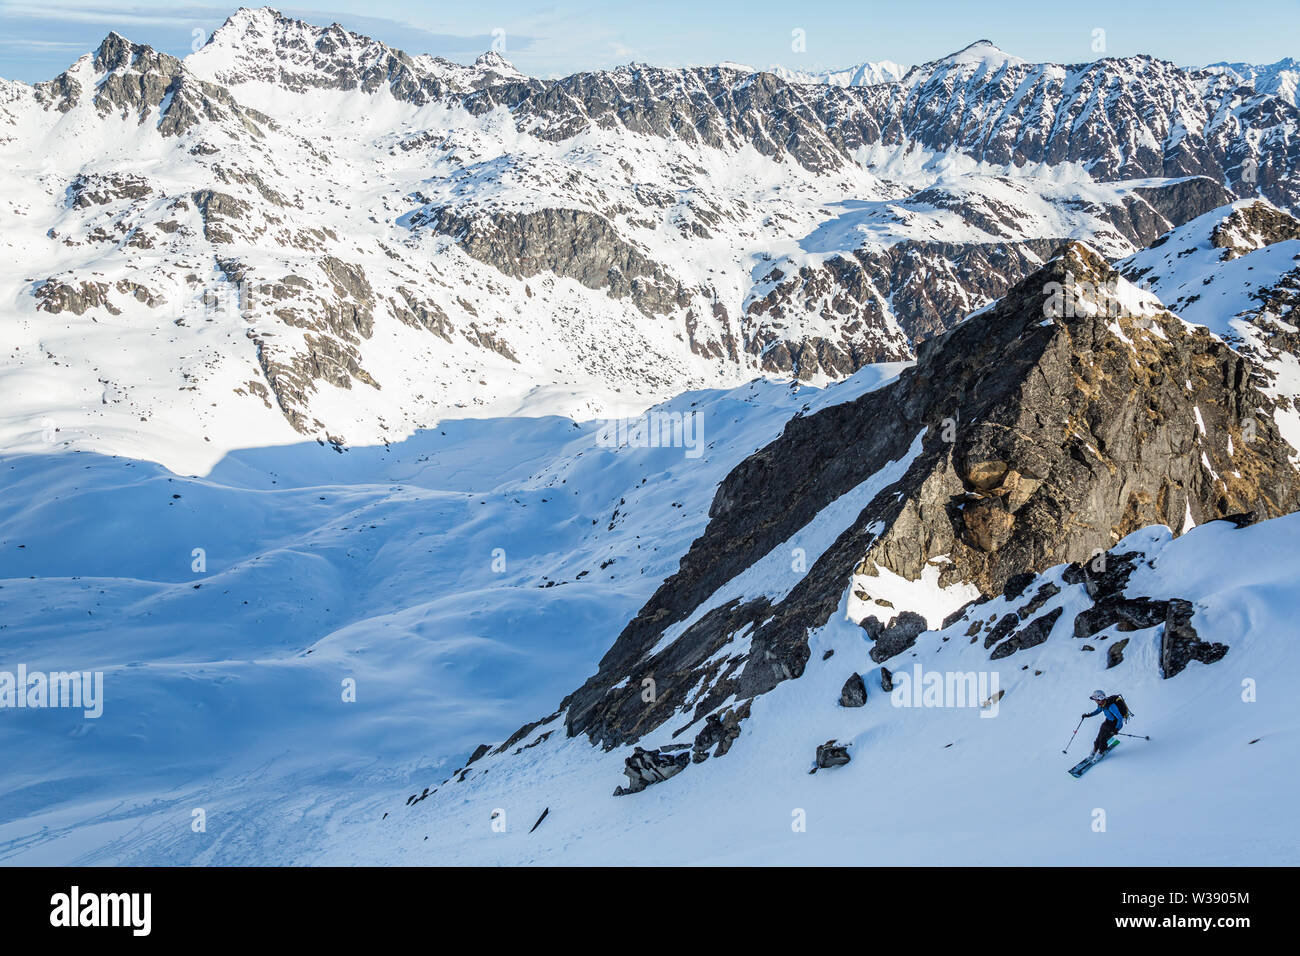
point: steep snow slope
(781, 605)
(223, 685)
(966, 785)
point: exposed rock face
(1019, 112)
(95, 189)
(841, 292)
(924, 288)
(567, 242)
(1043, 430)
(1180, 644)
(55, 296)
(142, 82)
(1237, 271)
(1252, 227)
(1160, 120)
(300, 57)
(221, 214)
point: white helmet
(1098, 695)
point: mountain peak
(496, 63)
(867, 73)
(113, 52)
(981, 53)
(246, 16)
(116, 52)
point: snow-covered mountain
(1280, 79)
(1236, 271)
(864, 74)
(422, 451)
(829, 626)
(321, 235)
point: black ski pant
(1108, 730)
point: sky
(550, 38)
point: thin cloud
(138, 16)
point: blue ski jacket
(1111, 710)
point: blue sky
(39, 39)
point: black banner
(910, 905)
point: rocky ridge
(1044, 430)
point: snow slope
(976, 786)
(380, 564)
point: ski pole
(1138, 736)
(1076, 730)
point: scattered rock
(646, 767)
(719, 730)
(1031, 635)
(854, 693)
(1115, 653)
(832, 754)
(894, 638)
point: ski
(1082, 767)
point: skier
(1114, 710)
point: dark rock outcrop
(1058, 409)
(889, 640)
(1124, 614)
(573, 243)
(646, 767)
(1180, 644)
(719, 732)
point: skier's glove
(1083, 716)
